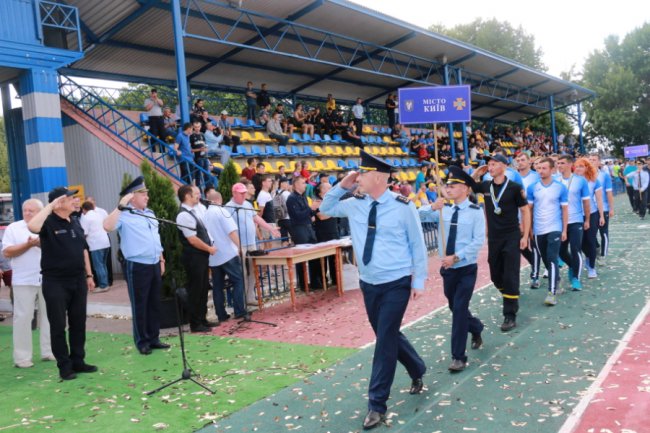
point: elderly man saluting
(387, 234)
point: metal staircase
(130, 134)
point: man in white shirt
(93, 224)
(357, 113)
(23, 248)
(109, 257)
(640, 179)
(154, 105)
(214, 139)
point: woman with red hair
(583, 167)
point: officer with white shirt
(640, 180)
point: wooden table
(292, 256)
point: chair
(251, 124)
(356, 151)
(390, 150)
(329, 151)
(144, 119)
(352, 164)
(338, 139)
(348, 151)
(342, 164)
(307, 139)
(307, 151)
(292, 166)
(297, 138)
(318, 166)
(338, 151)
(365, 140)
(282, 151)
(237, 167)
(329, 139)
(411, 176)
(271, 152)
(263, 138)
(319, 150)
(332, 166)
(269, 167)
(296, 151)
(382, 151)
(246, 137)
(403, 176)
(257, 150)
(317, 139)
(399, 151)
(237, 123)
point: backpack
(279, 207)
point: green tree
(5, 184)
(227, 179)
(497, 37)
(620, 75)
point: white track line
(576, 415)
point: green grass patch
(113, 400)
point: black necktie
(372, 228)
(453, 228)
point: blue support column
(582, 144)
(39, 92)
(181, 73)
(18, 177)
(450, 126)
(553, 131)
(463, 125)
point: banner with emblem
(442, 104)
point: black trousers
(157, 129)
(144, 283)
(504, 259)
(630, 195)
(641, 202)
(532, 256)
(198, 284)
(304, 234)
(459, 287)
(65, 300)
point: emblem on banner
(460, 104)
(408, 104)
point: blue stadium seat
(342, 164)
(297, 137)
(271, 152)
(257, 151)
(307, 139)
(237, 123)
(414, 163)
(364, 139)
(297, 152)
(338, 139)
(352, 164)
(144, 119)
(282, 151)
(318, 139)
(229, 149)
(251, 124)
(307, 150)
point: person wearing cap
(504, 199)
(549, 203)
(224, 126)
(511, 173)
(144, 263)
(387, 238)
(640, 180)
(67, 278)
(22, 247)
(464, 230)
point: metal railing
(132, 135)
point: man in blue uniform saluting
(387, 236)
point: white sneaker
(591, 273)
(100, 289)
(24, 364)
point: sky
(567, 31)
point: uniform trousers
(144, 283)
(25, 299)
(574, 242)
(548, 246)
(604, 236)
(532, 256)
(590, 240)
(65, 301)
(504, 259)
(458, 285)
(641, 202)
(385, 306)
(196, 268)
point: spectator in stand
(281, 172)
(170, 125)
(23, 249)
(401, 136)
(154, 105)
(351, 135)
(263, 97)
(328, 122)
(302, 170)
(330, 103)
(432, 193)
(287, 127)
(197, 110)
(284, 222)
(249, 171)
(98, 244)
(300, 121)
(423, 176)
(200, 151)
(258, 177)
(357, 116)
(274, 129)
(391, 105)
(224, 126)
(204, 120)
(251, 101)
(183, 151)
(315, 118)
(213, 140)
(264, 115)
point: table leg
(292, 286)
(339, 270)
(305, 275)
(323, 276)
(258, 285)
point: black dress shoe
(477, 341)
(200, 328)
(84, 368)
(224, 318)
(69, 375)
(210, 324)
(372, 420)
(145, 350)
(159, 345)
(457, 365)
(245, 317)
(508, 324)
(416, 386)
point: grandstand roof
(307, 47)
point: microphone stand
(247, 318)
(178, 297)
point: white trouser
(25, 298)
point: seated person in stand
(350, 134)
(300, 121)
(274, 129)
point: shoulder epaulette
(359, 195)
(475, 206)
(448, 204)
(402, 199)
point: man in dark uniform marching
(144, 263)
(464, 228)
(504, 199)
(387, 236)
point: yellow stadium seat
(367, 130)
(382, 151)
(331, 165)
(399, 152)
(374, 150)
(411, 176)
(269, 167)
(356, 151)
(338, 151)
(246, 137)
(318, 150)
(390, 150)
(292, 166)
(403, 176)
(217, 165)
(329, 151)
(348, 151)
(262, 137)
(388, 140)
(318, 166)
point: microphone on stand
(125, 208)
(206, 202)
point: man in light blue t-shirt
(548, 200)
(529, 177)
(605, 180)
(579, 197)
